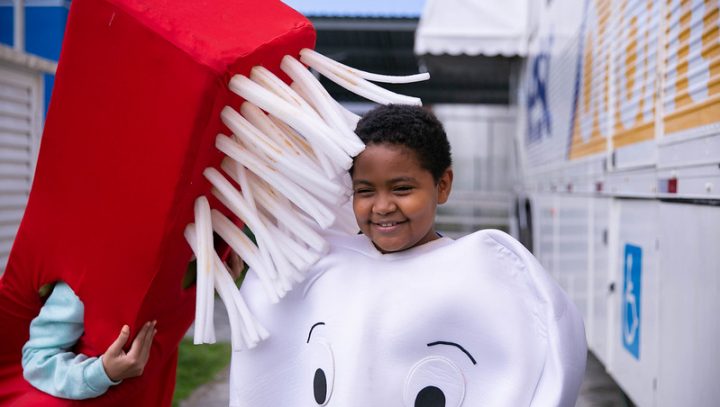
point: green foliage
(197, 365)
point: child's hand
(120, 365)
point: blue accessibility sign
(632, 271)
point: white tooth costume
(322, 317)
(473, 322)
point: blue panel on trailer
(632, 271)
(6, 25)
(49, 82)
(45, 22)
(44, 30)
(44, 25)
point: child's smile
(395, 198)
(387, 228)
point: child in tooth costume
(401, 316)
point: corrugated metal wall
(482, 142)
(21, 106)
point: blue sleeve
(47, 363)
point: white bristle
(289, 153)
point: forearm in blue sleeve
(47, 363)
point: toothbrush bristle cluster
(289, 152)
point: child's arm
(48, 365)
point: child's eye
(363, 191)
(403, 188)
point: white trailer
(619, 148)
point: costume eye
(434, 382)
(322, 371)
(320, 387)
(430, 396)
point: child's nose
(384, 204)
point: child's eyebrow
(402, 179)
(388, 182)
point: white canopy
(474, 27)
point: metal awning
(25, 60)
(379, 35)
(474, 27)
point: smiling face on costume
(395, 198)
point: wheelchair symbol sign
(632, 270)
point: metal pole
(19, 25)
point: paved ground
(598, 389)
(213, 394)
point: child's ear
(444, 186)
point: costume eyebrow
(472, 359)
(311, 329)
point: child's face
(394, 198)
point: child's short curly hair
(412, 127)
